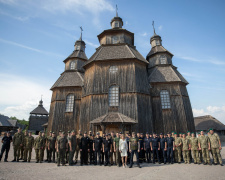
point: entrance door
(112, 127)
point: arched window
(113, 69)
(165, 99)
(162, 60)
(72, 65)
(114, 96)
(69, 103)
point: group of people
(118, 148)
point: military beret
(201, 131)
(97, 133)
(192, 133)
(109, 134)
(161, 133)
(180, 133)
(211, 129)
(72, 131)
(172, 131)
(68, 131)
(188, 131)
(147, 133)
(175, 133)
(53, 132)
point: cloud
(160, 27)
(91, 44)
(30, 48)
(19, 18)
(215, 111)
(21, 95)
(189, 58)
(144, 34)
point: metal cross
(116, 11)
(153, 26)
(81, 29)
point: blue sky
(36, 36)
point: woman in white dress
(123, 150)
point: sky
(36, 36)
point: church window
(113, 69)
(72, 65)
(165, 99)
(116, 24)
(163, 60)
(77, 47)
(157, 42)
(114, 96)
(115, 39)
(69, 103)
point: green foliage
(23, 122)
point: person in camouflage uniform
(46, 147)
(134, 147)
(67, 152)
(39, 145)
(185, 149)
(215, 147)
(72, 147)
(44, 144)
(22, 147)
(78, 137)
(189, 137)
(57, 138)
(204, 146)
(51, 148)
(28, 145)
(200, 151)
(116, 149)
(194, 148)
(18, 139)
(112, 153)
(177, 151)
(62, 147)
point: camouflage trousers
(22, 152)
(205, 155)
(77, 151)
(177, 154)
(118, 157)
(39, 154)
(216, 154)
(17, 152)
(186, 156)
(61, 159)
(195, 155)
(27, 151)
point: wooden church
(118, 90)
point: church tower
(170, 101)
(66, 92)
(116, 93)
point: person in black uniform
(155, 147)
(162, 152)
(128, 151)
(102, 153)
(6, 140)
(107, 149)
(97, 148)
(147, 147)
(84, 149)
(170, 148)
(91, 154)
(142, 151)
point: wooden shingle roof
(77, 54)
(116, 52)
(157, 49)
(4, 121)
(40, 110)
(69, 79)
(207, 122)
(113, 117)
(165, 73)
